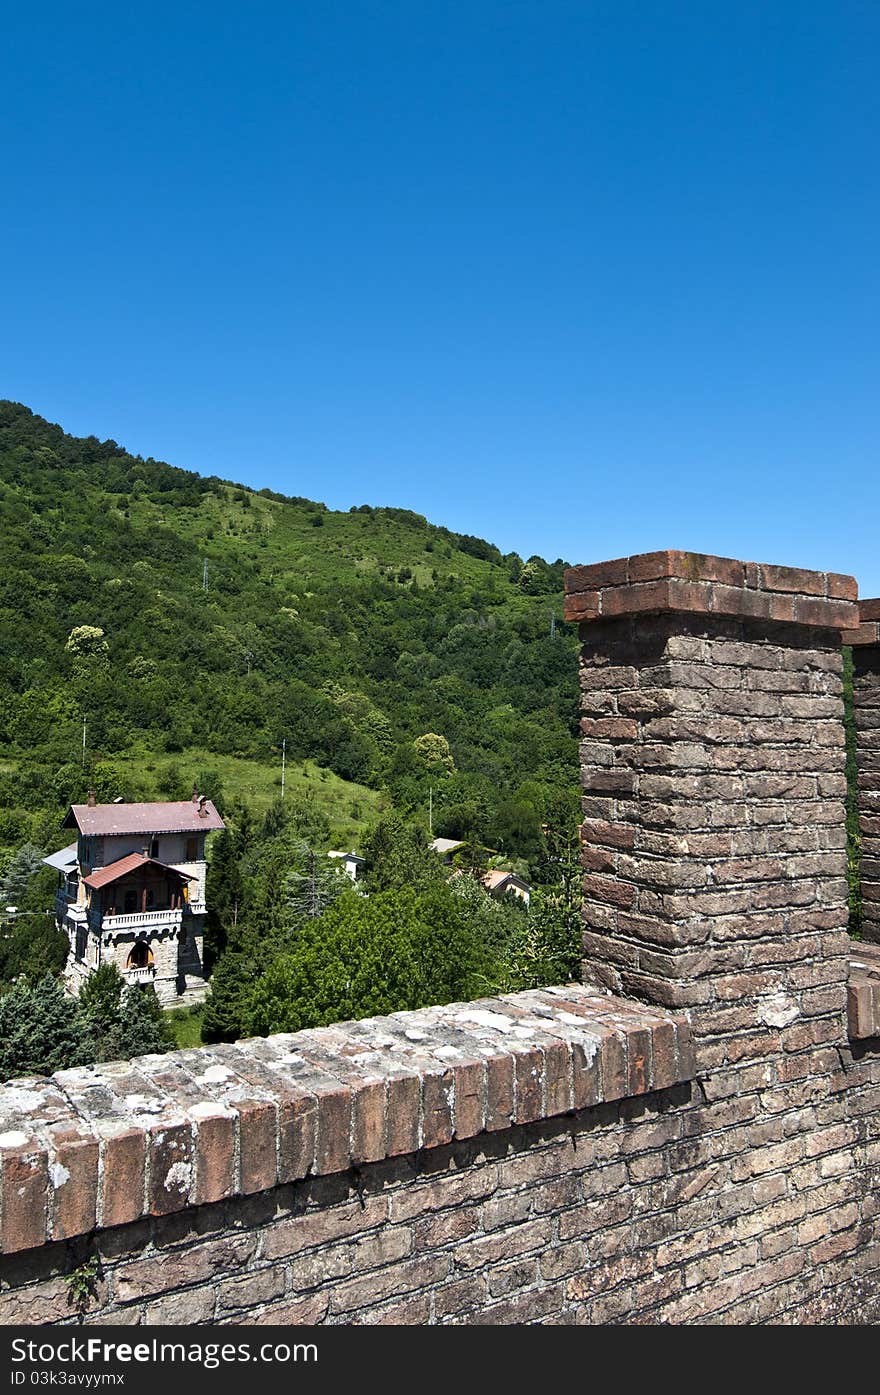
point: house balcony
(143, 975)
(168, 919)
(66, 908)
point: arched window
(141, 956)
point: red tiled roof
(497, 877)
(114, 870)
(175, 816)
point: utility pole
(205, 574)
(283, 763)
(552, 625)
(430, 811)
(84, 745)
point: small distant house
(132, 893)
(502, 883)
(351, 863)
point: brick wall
(692, 1135)
(865, 641)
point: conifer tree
(40, 1029)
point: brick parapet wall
(864, 993)
(104, 1145)
(693, 582)
(713, 780)
(865, 641)
(665, 1208)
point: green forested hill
(349, 634)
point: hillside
(234, 619)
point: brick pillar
(865, 641)
(712, 766)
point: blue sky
(585, 279)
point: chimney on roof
(195, 794)
(203, 812)
(91, 799)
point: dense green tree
(40, 1029)
(313, 883)
(32, 945)
(549, 947)
(232, 983)
(99, 1002)
(20, 871)
(224, 895)
(517, 829)
(142, 1027)
(391, 951)
(500, 921)
(397, 855)
(433, 752)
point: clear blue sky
(584, 278)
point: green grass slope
(348, 635)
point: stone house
(132, 893)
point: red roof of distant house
(123, 865)
(498, 878)
(174, 816)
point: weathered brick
(408, 1276)
(171, 1162)
(124, 1168)
(73, 1174)
(506, 1244)
(259, 1287)
(215, 1152)
(23, 1186)
(194, 1305)
(333, 1130)
(462, 1296)
(471, 1185)
(322, 1227)
(295, 1311)
(173, 1269)
(368, 1138)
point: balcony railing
(144, 975)
(141, 920)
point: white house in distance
(352, 865)
(132, 893)
(445, 847)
